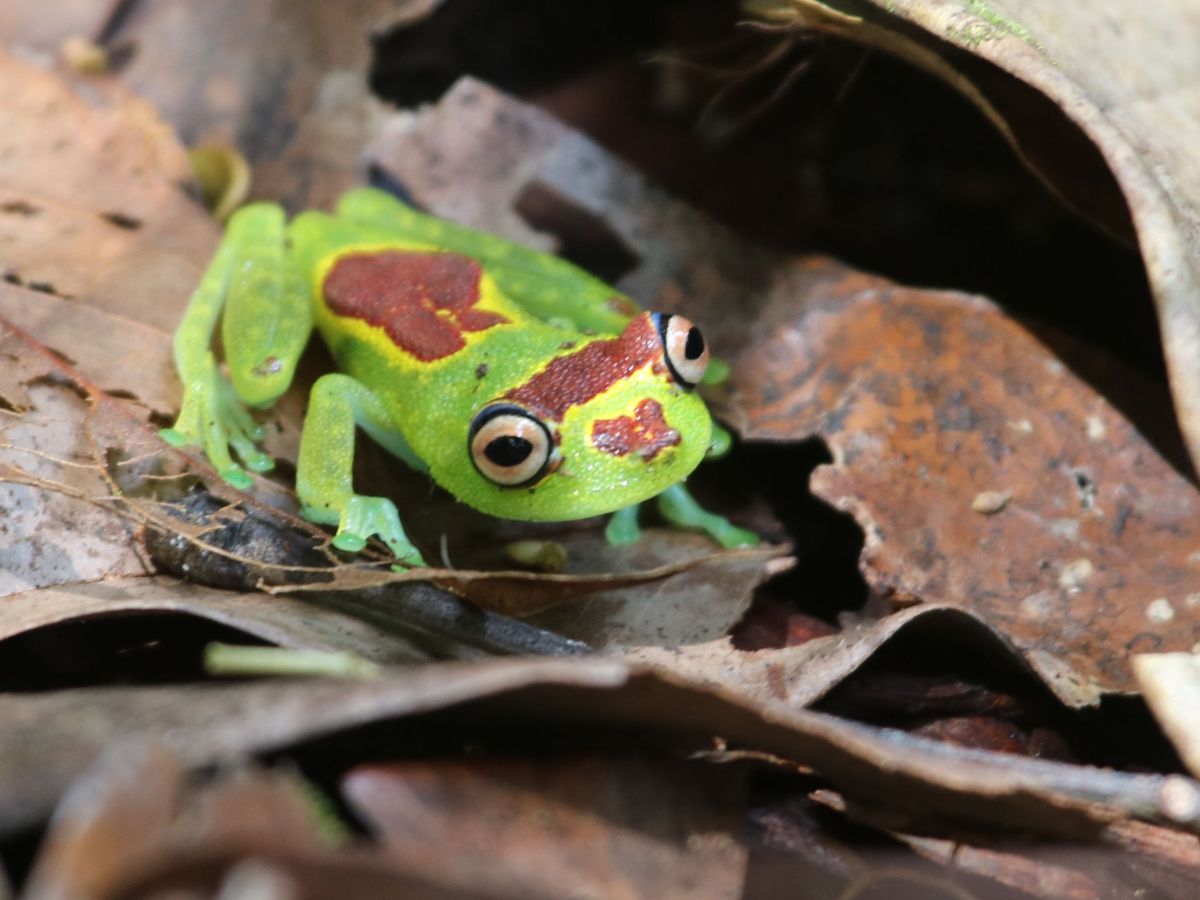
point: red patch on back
(425, 301)
(575, 379)
(645, 433)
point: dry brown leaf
(290, 97)
(926, 399)
(608, 828)
(801, 675)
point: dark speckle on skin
(481, 370)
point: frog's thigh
(680, 508)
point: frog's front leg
(622, 527)
(324, 476)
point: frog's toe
(252, 458)
(410, 560)
(237, 477)
(349, 542)
(366, 516)
(731, 537)
(175, 437)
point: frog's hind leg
(324, 476)
(680, 508)
(251, 287)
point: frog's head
(609, 424)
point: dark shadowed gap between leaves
(941, 680)
(519, 45)
(826, 580)
(158, 648)
(584, 238)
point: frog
(524, 386)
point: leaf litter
(614, 195)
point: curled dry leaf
(801, 675)
(1122, 73)
(926, 399)
(48, 739)
(278, 620)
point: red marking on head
(575, 379)
(423, 300)
(645, 433)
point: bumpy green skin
(266, 284)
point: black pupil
(694, 348)
(508, 450)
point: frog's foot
(680, 508)
(364, 517)
(213, 418)
(623, 528)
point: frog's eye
(684, 348)
(509, 446)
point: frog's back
(431, 333)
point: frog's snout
(645, 434)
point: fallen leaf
(919, 396)
(800, 676)
(293, 101)
(48, 739)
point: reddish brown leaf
(928, 399)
